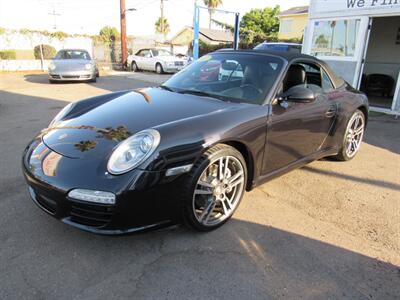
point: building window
(335, 38)
(285, 26)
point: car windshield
(73, 54)
(237, 77)
(161, 52)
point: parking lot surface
(329, 230)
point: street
(327, 231)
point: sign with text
(364, 7)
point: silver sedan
(73, 65)
(159, 60)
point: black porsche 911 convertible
(188, 149)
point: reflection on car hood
(97, 128)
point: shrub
(59, 35)
(207, 48)
(8, 54)
(48, 51)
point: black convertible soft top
(290, 57)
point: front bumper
(144, 200)
(172, 69)
(71, 75)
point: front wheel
(353, 137)
(159, 68)
(214, 189)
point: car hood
(95, 126)
(70, 64)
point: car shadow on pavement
(380, 183)
(107, 82)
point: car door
(298, 130)
(142, 59)
(148, 61)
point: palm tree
(162, 26)
(212, 5)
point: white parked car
(159, 60)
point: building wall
(299, 22)
(25, 43)
(343, 8)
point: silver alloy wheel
(354, 134)
(218, 190)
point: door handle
(331, 111)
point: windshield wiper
(201, 93)
(167, 88)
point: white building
(358, 38)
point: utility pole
(55, 15)
(124, 50)
(162, 17)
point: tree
(321, 41)
(162, 26)
(260, 24)
(212, 5)
(47, 50)
(223, 25)
(109, 34)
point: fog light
(92, 196)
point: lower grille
(47, 204)
(55, 76)
(179, 63)
(70, 76)
(91, 214)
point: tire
(134, 67)
(94, 79)
(354, 133)
(159, 68)
(209, 200)
(97, 74)
(52, 81)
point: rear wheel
(134, 67)
(353, 137)
(159, 68)
(215, 187)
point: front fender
(183, 141)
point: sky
(89, 16)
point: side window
(327, 85)
(315, 77)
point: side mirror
(299, 94)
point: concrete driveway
(328, 230)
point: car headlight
(133, 151)
(88, 66)
(52, 67)
(62, 114)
